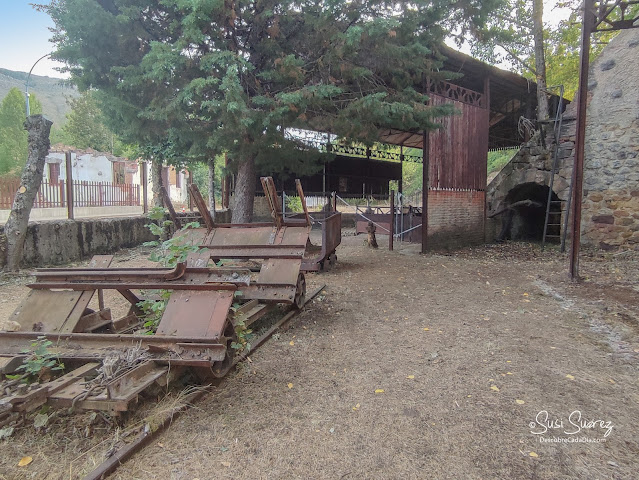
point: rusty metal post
(400, 183)
(425, 181)
(69, 185)
(486, 100)
(392, 220)
(578, 166)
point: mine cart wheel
(300, 291)
(222, 367)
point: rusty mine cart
(214, 298)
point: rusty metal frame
(300, 193)
(194, 191)
(167, 202)
(203, 341)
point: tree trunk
(211, 163)
(244, 192)
(540, 60)
(226, 190)
(156, 178)
(38, 129)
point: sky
(24, 36)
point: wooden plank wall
(458, 151)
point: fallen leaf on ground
(612, 381)
(494, 387)
(410, 376)
(226, 464)
(291, 343)
(509, 373)
(570, 377)
(426, 329)
(356, 407)
(290, 385)
(519, 402)
(379, 390)
(24, 461)
(533, 454)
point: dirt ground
(407, 366)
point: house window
(119, 174)
(54, 173)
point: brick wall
(455, 218)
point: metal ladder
(550, 203)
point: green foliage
(85, 126)
(167, 253)
(242, 332)
(153, 309)
(294, 204)
(211, 76)
(38, 359)
(498, 158)
(174, 250)
(412, 174)
(508, 36)
(13, 136)
(200, 172)
(52, 92)
(563, 53)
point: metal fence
(85, 194)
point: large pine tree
(233, 75)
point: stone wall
(610, 216)
(610, 209)
(64, 241)
(532, 163)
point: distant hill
(52, 93)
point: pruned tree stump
(371, 241)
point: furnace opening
(524, 214)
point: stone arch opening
(524, 214)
